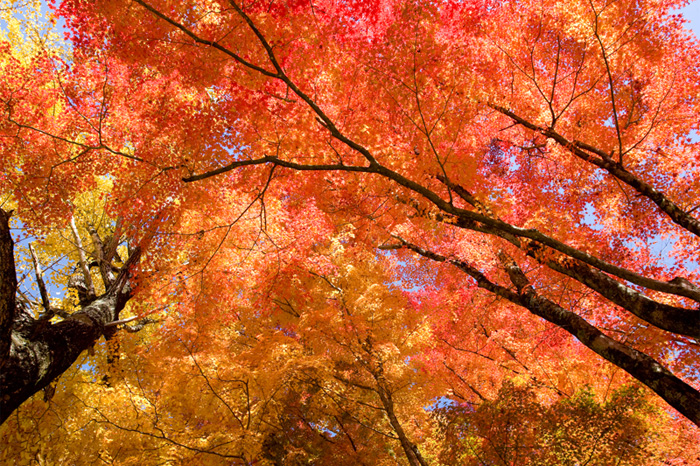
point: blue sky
(692, 13)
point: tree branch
(45, 302)
(644, 368)
(279, 162)
(38, 357)
(210, 43)
(83, 261)
(487, 223)
(585, 152)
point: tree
(573, 431)
(36, 350)
(536, 150)
(41, 338)
(334, 375)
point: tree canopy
(349, 232)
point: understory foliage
(349, 233)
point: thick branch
(42, 351)
(35, 361)
(507, 231)
(644, 368)
(670, 318)
(410, 449)
(110, 246)
(103, 260)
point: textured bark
(36, 360)
(666, 317)
(644, 368)
(83, 261)
(34, 351)
(8, 286)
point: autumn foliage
(349, 232)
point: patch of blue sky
(53, 272)
(48, 22)
(589, 218)
(692, 14)
(441, 403)
(323, 429)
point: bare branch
(40, 280)
(83, 260)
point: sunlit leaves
(282, 325)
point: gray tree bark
(34, 352)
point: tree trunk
(410, 449)
(34, 352)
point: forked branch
(641, 366)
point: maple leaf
(349, 210)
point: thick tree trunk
(8, 287)
(34, 352)
(35, 361)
